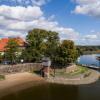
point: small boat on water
(98, 58)
(92, 66)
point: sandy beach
(19, 81)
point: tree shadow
(38, 72)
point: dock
(91, 66)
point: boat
(92, 66)
(98, 58)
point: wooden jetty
(98, 58)
(91, 66)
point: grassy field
(80, 70)
(2, 77)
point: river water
(58, 92)
(89, 59)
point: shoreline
(17, 82)
(21, 81)
(92, 78)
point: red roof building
(4, 41)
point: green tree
(67, 53)
(41, 43)
(11, 52)
(80, 51)
(52, 45)
(46, 43)
(1, 57)
(36, 44)
(71, 52)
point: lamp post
(49, 64)
(21, 61)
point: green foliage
(80, 70)
(52, 44)
(88, 49)
(77, 73)
(2, 77)
(67, 53)
(46, 43)
(41, 43)
(11, 52)
(36, 44)
(71, 52)
(1, 57)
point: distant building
(4, 41)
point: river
(89, 59)
(58, 92)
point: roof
(4, 41)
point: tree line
(42, 43)
(88, 49)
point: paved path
(93, 77)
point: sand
(19, 81)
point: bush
(2, 77)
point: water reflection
(89, 92)
(58, 92)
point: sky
(77, 20)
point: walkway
(93, 77)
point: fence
(27, 67)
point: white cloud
(88, 7)
(9, 33)
(12, 24)
(17, 20)
(16, 27)
(20, 13)
(26, 2)
(85, 1)
(92, 36)
(40, 2)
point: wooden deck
(92, 66)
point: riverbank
(92, 78)
(18, 82)
(21, 81)
(91, 52)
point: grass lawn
(2, 77)
(80, 70)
